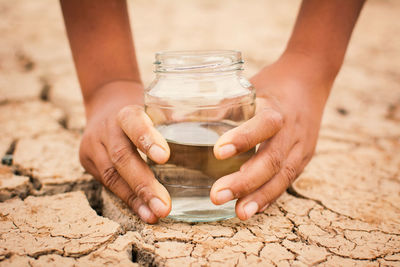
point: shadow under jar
(195, 98)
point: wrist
(112, 96)
(295, 78)
(323, 66)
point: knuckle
(246, 187)
(124, 114)
(142, 191)
(273, 118)
(120, 156)
(274, 161)
(265, 197)
(129, 112)
(136, 110)
(289, 174)
(276, 120)
(144, 142)
(110, 177)
(131, 200)
(244, 141)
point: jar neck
(198, 75)
(203, 63)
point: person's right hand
(116, 127)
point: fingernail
(158, 207)
(224, 196)
(145, 213)
(250, 209)
(264, 208)
(226, 151)
(157, 154)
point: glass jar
(196, 97)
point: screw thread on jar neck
(198, 62)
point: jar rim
(198, 61)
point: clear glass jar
(196, 97)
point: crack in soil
(38, 254)
(305, 240)
(296, 194)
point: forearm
(101, 42)
(322, 32)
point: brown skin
(291, 95)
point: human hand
(116, 126)
(291, 95)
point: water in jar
(192, 167)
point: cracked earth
(343, 210)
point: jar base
(200, 209)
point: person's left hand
(290, 101)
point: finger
(266, 194)
(111, 179)
(254, 173)
(90, 167)
(128, 163)
(84, 149)
(261, 127)
(139, 128)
